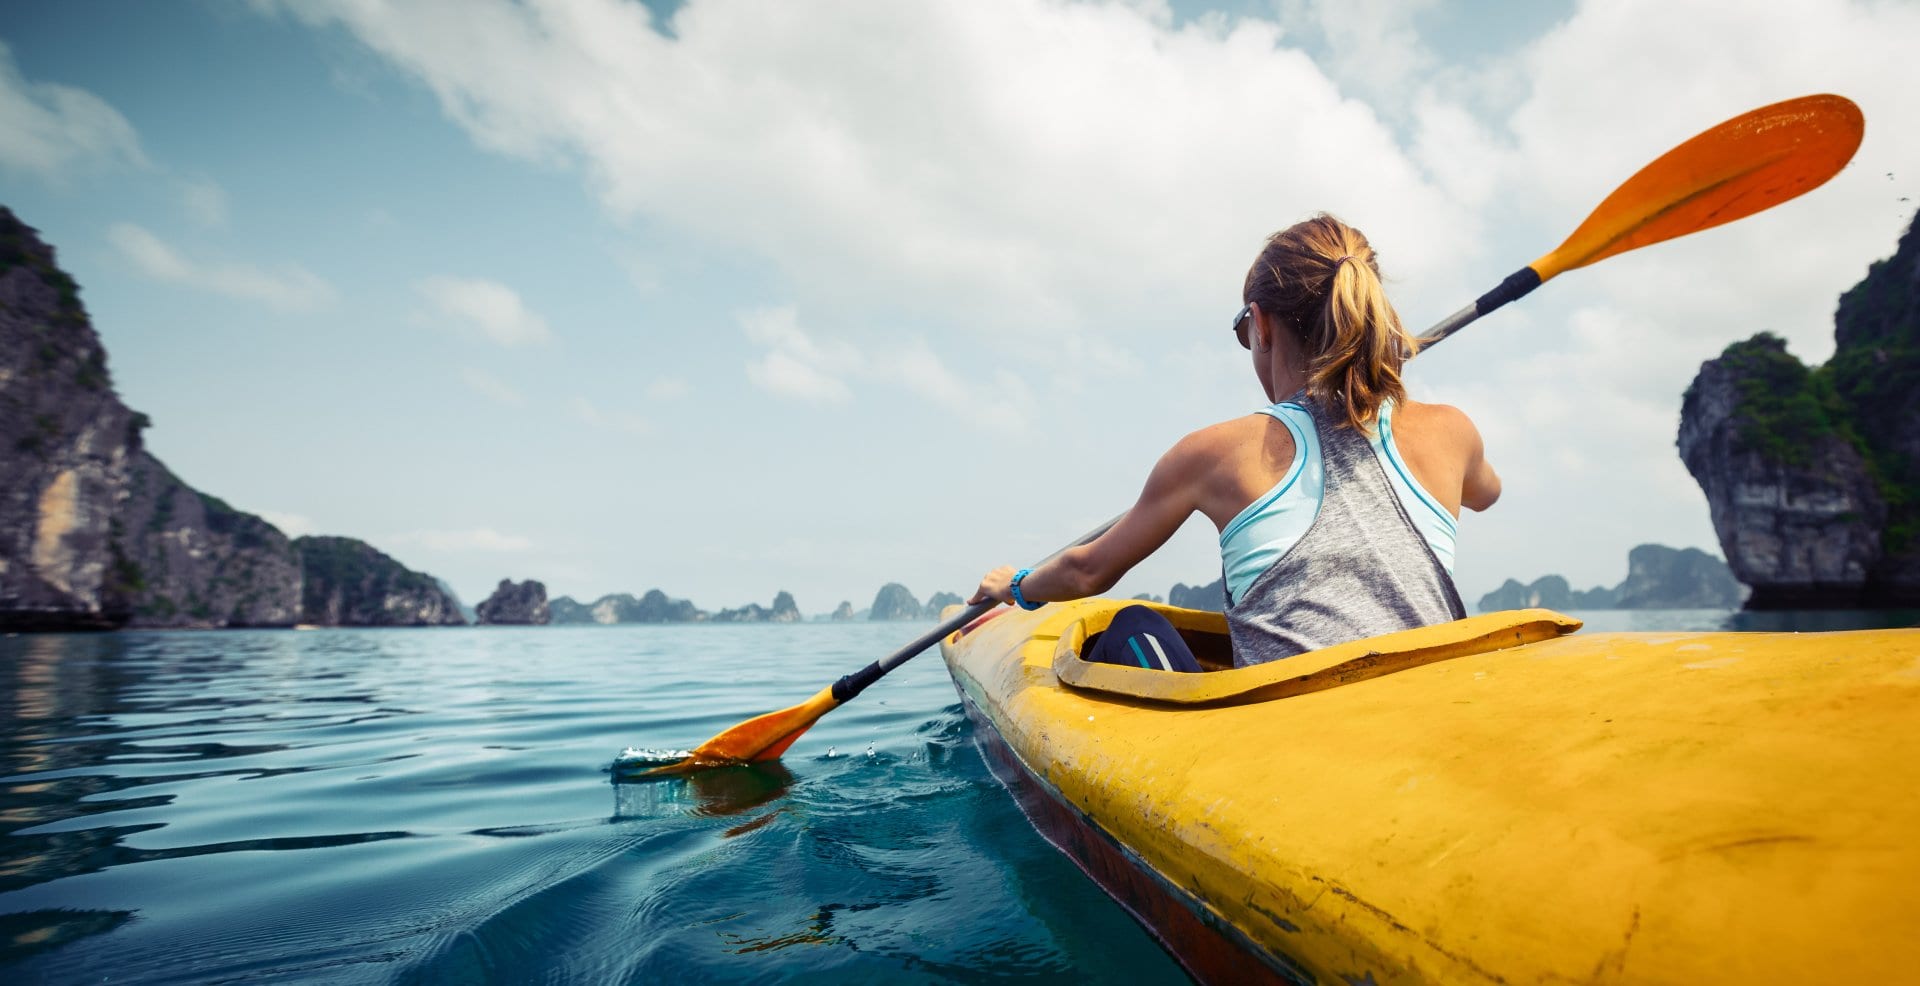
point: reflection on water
(716, 792)
(432, 806)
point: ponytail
(1321, 277)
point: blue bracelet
(1014, 588)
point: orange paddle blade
(1750, 163)
(760, 738)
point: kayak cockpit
(1205, 633)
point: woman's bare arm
(1169, 497)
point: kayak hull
(1533, 807)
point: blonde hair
(1321, 278)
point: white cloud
(1020, 165)
(625, 422)
(485, 307)
(288, 287)
(204, 200)
(794, 365)
(491, 387)
(50, 128)
(483, 539)
(668, 389)
(799, 366)
(1373, 46)
(292, 525)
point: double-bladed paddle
(1748, 164)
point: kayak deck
(1604, 807)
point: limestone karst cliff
(1211, 596)
(621, 607)
(783, 610)
(347, 582)
(1812, 475)
(514, 604)
(894, 602)
(97, 533)
(1658, 577)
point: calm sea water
(437, 805)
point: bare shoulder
(1441, 424)
(1214, 441)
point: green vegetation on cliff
(1867, 394)
(1785, 407)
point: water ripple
(440, 805)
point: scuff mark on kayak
(1395, 924)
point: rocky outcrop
(622, 607)
(1658, 577)
(1546, 592)
(96, 533)
(1797, 512)
(566, 609)
(182, 558)
(784, 610)
(1812, 475)
(1211, 596)
(514, 604)
(894, 602)
(844, 611)
(938, 602)
(350, 583)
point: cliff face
(95, 533)
(939, 601)
(784, 610)
(181, 558)
(844, 611)
(622, 607)
(1659, 577)
(64, 443)
(1548, 592)
(1813, 475)
(1797, 513)
(1212, 596)
(1875, 371)
(894, 602)
(566, 609)
(514, 604)
(351, 583)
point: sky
(727, 297)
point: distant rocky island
(96, 533)
(893, 602)
(1658, 577)
(514, 604)
(1812, 475)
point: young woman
(1336, 503)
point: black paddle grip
(850, 685)
(1515, 286)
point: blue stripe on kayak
(1134, 642)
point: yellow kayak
(1493, 800)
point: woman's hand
(995, 585)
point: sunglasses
(1240, 325)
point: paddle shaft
(1516, 285)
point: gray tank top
(1361, 569)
